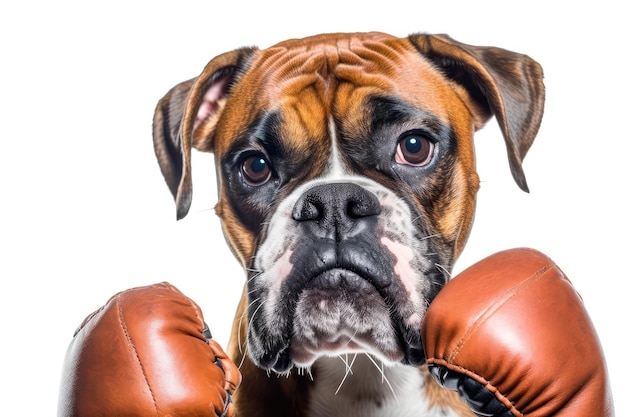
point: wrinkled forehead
(334, 76)
(340, 66)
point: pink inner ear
(211, 96)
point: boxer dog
(347, 188)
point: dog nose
(336, 210)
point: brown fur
(444, 398)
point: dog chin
(349, 318)
(304, 357)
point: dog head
(346, 177)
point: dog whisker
(256, 310)
(415, 219)
(240, 319)
(430, 236)
(384, 379)
(348, 370)
(348, 365)
(243, 348)
(255, 275)
(250, 292)
(244, 351)
(200, 211)
(444, 270)
(243, 356)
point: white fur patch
(357, 386)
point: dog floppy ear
(186, 117)
(500, 82)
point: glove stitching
(494, 307)
(227, 403)
(217, 361)
(493, 389)
(130, 342)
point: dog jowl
(347, 181)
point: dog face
(347, 179)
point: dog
(347, 188)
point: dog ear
(186, 117)
(500, 82)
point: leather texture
(147, 352)
(512, 328)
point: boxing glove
(512, 336)
(147, 352)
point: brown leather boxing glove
(512, 336)
(147, 352)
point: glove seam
(494, 307)
(201, 322)
(131, 344)
(190, 303)
(491, 388)
(227, 403)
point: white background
(84, 212)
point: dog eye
(414, 149)
(255, 170)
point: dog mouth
(342, 269)
(341, 311)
